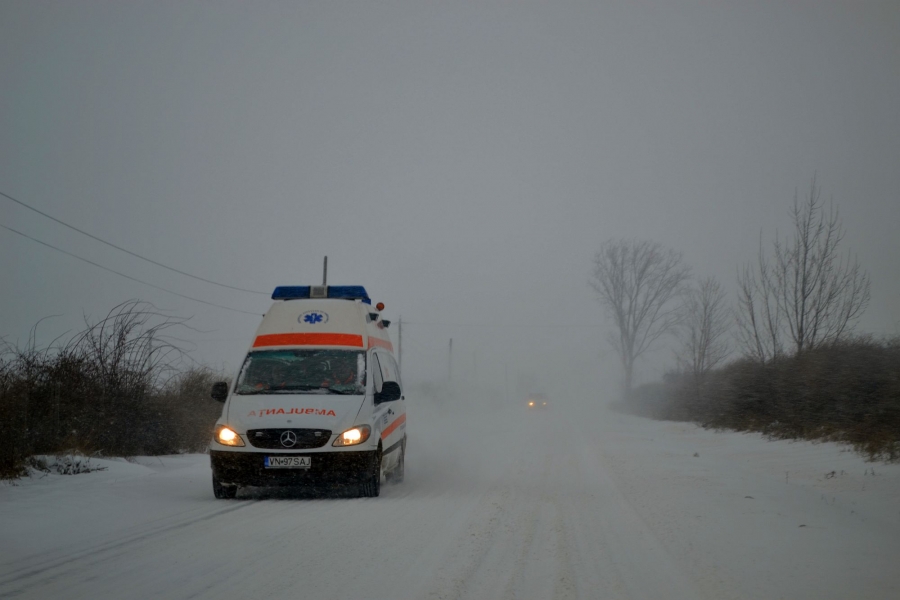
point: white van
(318, 400)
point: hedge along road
(504, 504)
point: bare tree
(704, 329)
(759, 317)
(809, 295)
(636, 283)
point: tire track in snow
(467, 552)
(33, 570)
(565, 583)
(513, 547)
(528, 536)
(614, 553)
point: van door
(391, 410)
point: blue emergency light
(297, 292)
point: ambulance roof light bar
(298, 292)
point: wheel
(396, 475)
(223, 492)
(372, 487)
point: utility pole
(450, 363)
(325, 272)
(506, 382)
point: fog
(463, 161)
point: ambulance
(318, 400)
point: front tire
(396, 475)
(371, 488)
(223, 492)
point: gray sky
(463, 161)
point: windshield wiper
(307, 388)
(281, 389)
(298, 388)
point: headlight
(227, 437)
(354, 436)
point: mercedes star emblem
(288, 439)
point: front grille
(272, 438)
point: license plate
(288, 462)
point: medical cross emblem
(313, 317)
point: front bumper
(248, 468)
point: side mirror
(390, 391)
(219, 391)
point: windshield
(303, 371)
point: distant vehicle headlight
(352, 437)
(227, 437)
(531, 403)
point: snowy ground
(503, 504)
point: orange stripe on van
(308, 339)
(374, 341)
(397, 423)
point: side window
(395, 371)
(387, 368)
(377, 379)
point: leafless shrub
(184, 412)
(122, 387)
(71, 463)
(848, 391)
(124, 357)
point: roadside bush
(119, 388)
(847, 392)
(183, 414)
(653, 400)
(71, 463)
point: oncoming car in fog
(536, 401)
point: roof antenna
(325, 272)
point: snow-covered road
(502, 504)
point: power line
(149, 260)
(246, 312)
(504, 325)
